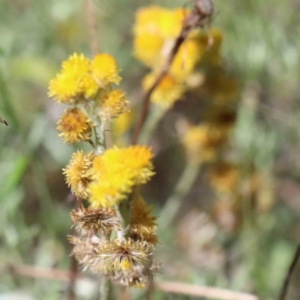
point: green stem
(183, 186)
(105, 289)
(123, 211)
(156, 115)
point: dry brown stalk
(91, 26)
(203, 291)
(166, 286)
(196, 18)
(289, 274)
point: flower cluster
(155, 32)
(107, 179)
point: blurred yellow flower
(74, 126)
(202, 142)
(113, 104)
(147, 48)
(105, 70)
(78, 173)
(122, 123)
(167, 92)
(224, 177)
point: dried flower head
(168, 90)
(143, 224)
(85, 250)
(93, 220)
(79, 173)
(105, 70)
(74, 126)
(122, 256)
(113, 104)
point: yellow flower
(147, 48)
(167, 92)
(170, 22)
(64, 88)
(104, 69)
(74, 126)
(188, 56)
(113, 104)
(79, 173)
(88, 86)
(116, 171)
(73, 80)
(143, 224)
(146, 20)
(76, 64)
(202, 142)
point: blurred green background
(261, 47)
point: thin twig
(195, 19)
(72, 278)
(203, 291)
(73, 268)
(91, 26)
(170, 287)
(145, 105)
(289, 273)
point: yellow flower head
(143, 224)
(170, 22)
(113, 104)
(104, 69)
(76, 64)
(146, 20)
(147, 48)
(64, 88)
(167, 92)
(73, 80)
(189, 54)
(202, 142)
(125, 257)
(79, 173)
(117, 171)
(160, 21)
(74, 126)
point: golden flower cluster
(87, 85)
(155, 31)
(106, 178)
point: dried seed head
(79, 173)
(143, 224)
(123, 257)
(95, 220)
